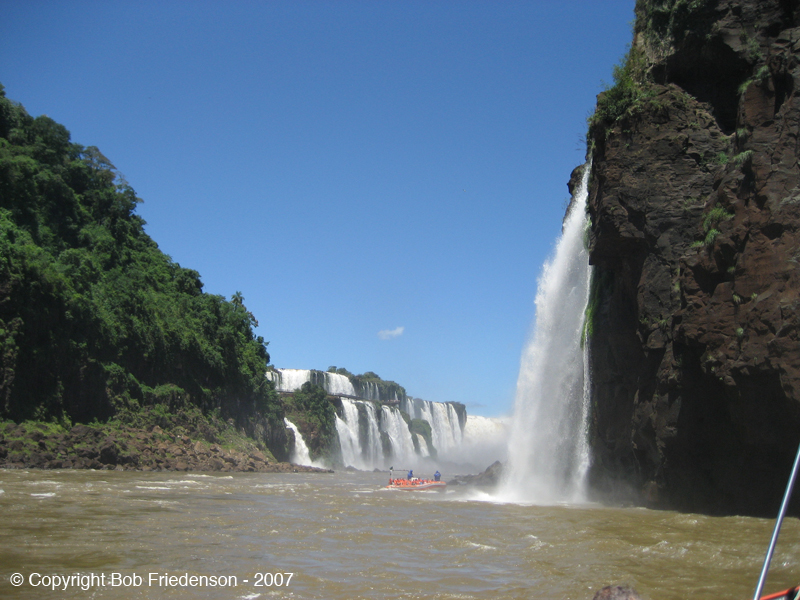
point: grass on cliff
(714, 217)
(188, 421)
(600, 287)
(629, 94)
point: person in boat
(437, 476)
(410, 474)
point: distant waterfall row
(373, 432)
(335, 384)
(289, 380)
(378, 436)
(373, 436)
(447, 425)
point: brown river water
(340, 536)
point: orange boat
(415, 483)
(790, 594)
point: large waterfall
(548, 450)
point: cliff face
(695, 209)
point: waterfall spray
(548, 450)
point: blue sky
(381, 180)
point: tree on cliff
(94, 318)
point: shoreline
(41, 446)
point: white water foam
(548, 451)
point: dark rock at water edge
(695, 238)
(489, 478)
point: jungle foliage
(315, 416)
(94, 319)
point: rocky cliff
(695, 209)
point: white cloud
(388, 334)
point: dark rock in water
(489, 478)
(695, 238)
(616, 592)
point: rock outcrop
(26, 446)
(489, 478)
(695, 240)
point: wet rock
(86, 447)
(695, 208)
(88, 453)
(616, 592)
(489, 478)
(109, 453)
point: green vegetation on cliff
(94, 319)
(315, 416)
(629, 92)
(664, 22)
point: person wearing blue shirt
(437, 476)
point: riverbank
(189, 446)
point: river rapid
(344, 537)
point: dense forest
(95, 321)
